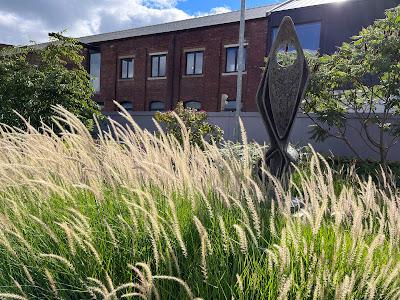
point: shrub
(183, 119)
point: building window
(128, 105)
(127, 68)
(94, 70)
(194, 63)
(309, 35)
(230, 105)
(157, 106)
(158, 65)
(193, 105)
(232, 59)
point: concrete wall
(257, 132)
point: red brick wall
(207, 88)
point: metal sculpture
(279, 95)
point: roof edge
(186, 24)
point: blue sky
(193, 6)
(22, 21)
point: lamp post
(239, 88)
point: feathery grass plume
(240, 283)
(19, 287)
(92, 249)
(171, 251)
(99, 287)
(144, 285)
(111, 233)
(225, 238)
(178, 280)
(154, 246)
(58, 258)
(176, 227)
(6, 244)
(203, 233)
(69, 235)
(253, 211)
(52, 282)
(28, 275)
(246, 159)
(205, 246)
(285, 286)
(12, 296)
(242, 238)
(204, 257)
(148, 188)
(252, 235)
(45, 227)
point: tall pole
(239, 89)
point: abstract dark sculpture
(279, 95)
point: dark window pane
(231, 55)
(193, 105)
(154, 66)
(244, 59)
(190, 63)
(127, 68)
(199, 63)
(309, 35)
(194, 63)
(231, 105)
(95, 63)
(163, 66)
(157, 106)
(128, 105)
(124, 69)
(131, 68)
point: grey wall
(257, 132)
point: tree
(33, 79)
(194, 121)
(362, 78)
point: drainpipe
(172, 79)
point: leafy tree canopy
(363, 79)
(33, 79)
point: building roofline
(298, 4)
(192, 23)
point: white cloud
(25, 20)
(214, 11)
(220, 10)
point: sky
(22, 21)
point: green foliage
(363, 78)
(33, 80)
(195, 122)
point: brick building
(195, 61)
(151, 68)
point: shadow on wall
(256, 132)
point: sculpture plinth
(279, 95)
